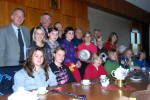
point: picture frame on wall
(55, 4)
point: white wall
(108, 23)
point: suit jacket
(9, 46)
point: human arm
(52, 79)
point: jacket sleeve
(52, 79)
(2, 48)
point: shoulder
(24, 28)
(20, 73)
(5, 28)
(89, 66)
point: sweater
(22, 79)
(63, 74)
(110, 66)
(91, 72)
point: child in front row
(112, 62)
(63, 74)
(95, 69)
(35, 72)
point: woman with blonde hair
(39, 41)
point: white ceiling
(144, 4)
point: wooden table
(93, 91)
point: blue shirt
(22, 79)
(142, 63)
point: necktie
(21, 44)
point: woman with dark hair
(70, 57)
(35, 72)
(68, 45)
(112, 41)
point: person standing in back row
(14, 40)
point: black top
(63, 74)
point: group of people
(50, 56)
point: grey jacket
(9, 46)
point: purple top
(70, 51)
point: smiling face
(70, 35)
(17, 17)
(38, 58)
(53, 36)
(39, 35)
(59, 56)
(113, 56)
(45, 21)
(87, 38)
(97, 61)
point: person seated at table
(70, 56)
(141, 60)
(112, 62)
(52, 39)
(86, 45)
(39, 41)
(95, 69)
(126, 61)
(62, 72)
(35, 72)
(112, 41)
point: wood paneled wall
(71, 13)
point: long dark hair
(111, 35)
(29, 66)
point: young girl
(68, 45)
(95, 69)
(39, 41)
(35, 72)
(63, 74)
(88, 45)
(52, 40)
(112, 41)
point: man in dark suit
(14, 40)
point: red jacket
(109, 46)
(91, 72)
